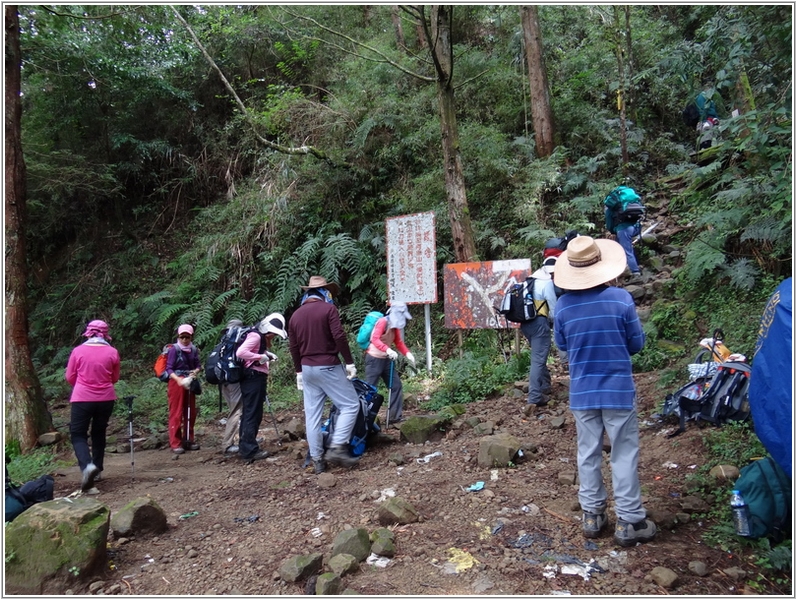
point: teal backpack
(624, 206)
(766, 489)
(364, 333)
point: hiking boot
(628, 534)
(319, 466)
(259, 455)
(231, 450)
(340, 455)
(592, 525)
(92, 491)
(178, 450)
(89, 475)
(530, 406)
(191, 446)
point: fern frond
(704, 255)
(767, 229)
(742, 273)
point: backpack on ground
(367, 328)
(766, 489)
(716, 400)
(223, 365)
(625, 205)
(518, 304)
(365, 427)
(160, 363)
(19, 499)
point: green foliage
(27, 467)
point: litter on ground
(377, 561)
(428, 457)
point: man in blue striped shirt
(597, 325)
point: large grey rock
(295, 428)
(297, 568)
(352, 541)
(382, 542)
(50, 438)
(140, 517)
(422, 428)
(54, 542)
(666, 578)
(498, 450)
(397, 510)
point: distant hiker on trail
(538, 334)
(597, 325)
(256, 356)
(92, 369)
(701, 115)
(182, 367)
(316, 338)
(380, 358)
(624, 224)
(231, 392)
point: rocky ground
(231, 525)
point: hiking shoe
(340, 455)
(178, 450)
(319, 466)
(92, 491)
(231, 450)
(89, 475)
(628, 534)
(530, 406)
(259, 455)
(592, 525)
(191, 446)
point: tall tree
(26, 413)
(541, 114)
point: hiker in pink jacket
(92, 370)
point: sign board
(473, 291)
(411, 259)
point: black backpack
(691, 114)
(718, 400)
(222, 365)
(518, 304)
(19, 499)
(365, 427)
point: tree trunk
(456, 196)
(395, 16)
(541, 114)
(621, 89)
(26, 413)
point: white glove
(410, 358)
(352, 371)
(391, 354)
(299, 382)
(271, 356)
(185, 382)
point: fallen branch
(558, 516)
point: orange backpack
(160, 364)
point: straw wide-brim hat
(588, 262)
(316, 281)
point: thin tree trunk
(395, 16)
(541, 114)
(456, 196)
(26, 413)
(630, 93)
(619, 51)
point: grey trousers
(376, 368)
(318, 383)
(538, 333)
(231, 392)
(623, 430)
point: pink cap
(185, 328)
(97, 328)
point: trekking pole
(187, 439)
(129, 401)
(273, 416)
(389, 393)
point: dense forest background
(199, 163)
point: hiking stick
(129, 401)
(389, 392)
(187, 439)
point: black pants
(97, 415)
(253, 395)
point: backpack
(625, 205)
(365, 427)
(766, 489)
(223, 365)
(160, 363)
(367, 328)
(518, 304)
(691, 114)
(19, 499)
(717, 400)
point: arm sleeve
(634, 334)
(247, 351)
(116, 368)
(171, 360)
(377, 332)
(558, 334)
(607, 215)
(71, 369)
(549, 294)
(400, 345)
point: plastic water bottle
(741, 514)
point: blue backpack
(624, 206)
(367, 328)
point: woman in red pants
(182, 366)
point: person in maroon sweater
(92, 370)
(315, 339)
